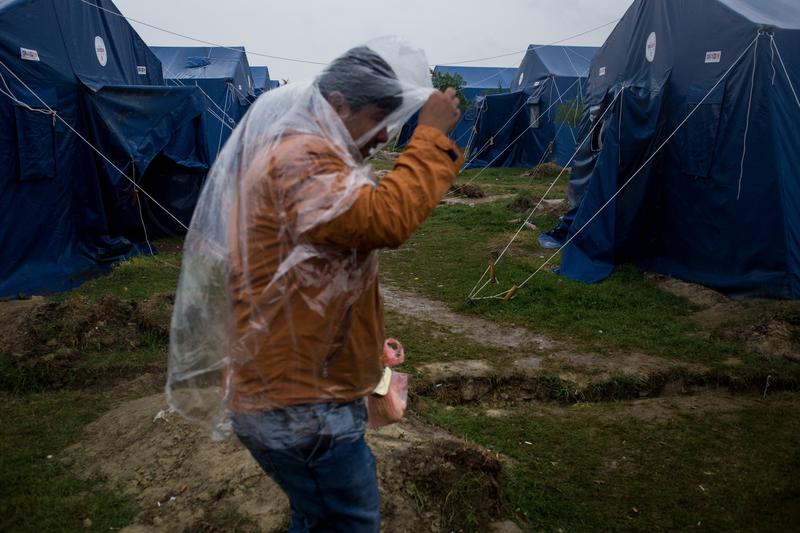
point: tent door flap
(36, 144)
(699, 135)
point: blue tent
(223, 74)
(719, 205)
(66, 211)
(261, 81)
(480, 82)
(537, 121)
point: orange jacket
(303, 356)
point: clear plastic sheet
(264, 302)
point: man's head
(363, 90)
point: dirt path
(476, 329)
(536, 355)
(477, 201)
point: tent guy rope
(88, 143)
(510, 293)
(588, 136)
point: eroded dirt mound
(524, 204)
(770, 336)
(561, 376)
(47, 341)
(774, 333)
(545, 169)
(467, 191)
(81, 324)
(183, 481)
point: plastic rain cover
(260, 308)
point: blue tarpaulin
(66, 211)
(720, 204)
(479, 82)
(261, 81)
(223, 73)
(537, 121)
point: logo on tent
(714, 57)
(100, 50)
(29, 55)
(650, 50)
(141, 71)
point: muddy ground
(183, 481)
(430, 480)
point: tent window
(535, 113)
(597, 128)
(36, 144)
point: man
(303, 280)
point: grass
(139, 277)
(48, 401)
(583, 471)
(734, 472)
(38, 492)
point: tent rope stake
(631, 178)
(475, 290)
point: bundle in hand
(388, 403)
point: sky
(319, 30)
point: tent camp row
(102, 145)
(688, 152)
(536, 120)
(680, 132)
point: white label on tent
(141, 71)
(714, 57)
(536, 84)
(602, 71)
(100, 50)
(650, 49)
(28, 54)
(521, 77)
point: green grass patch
(140, 277)
(37, 491)
(730, 472)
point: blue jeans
(332, 486)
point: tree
(443, 80)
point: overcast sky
(318, 30)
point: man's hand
(441, 111)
